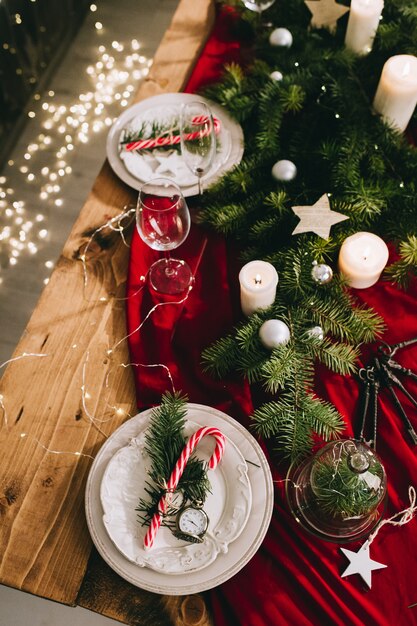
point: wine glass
(163, 223)
(198, 138)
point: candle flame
(406, 70)
(258, 279)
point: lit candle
(396, 96)
(258, 286)
(362, 258)
(362, 25)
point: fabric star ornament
(317, 218)
(325, 13)
(361, 563)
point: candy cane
(173, 140)
(178, 471)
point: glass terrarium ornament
(339, 493)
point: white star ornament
(361, 563)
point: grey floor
(122, 22)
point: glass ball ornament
(316, 332)
(339, 493)
(321, 273)
(281, 37)
(284, 170)
(274, 333)
(276, 75)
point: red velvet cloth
(294, 579)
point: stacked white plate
(239, 508)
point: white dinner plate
(227, 506)
(136, 168)
(239, 552)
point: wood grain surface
(105, 592)
(58, 408)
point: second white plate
(226, 564)
(227, 506)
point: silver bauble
(316, 332)
(281, 37)
(276, 75)
(284, 170)
(274, 333)
(321, 273)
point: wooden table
(52, 404)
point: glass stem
(169, 270)
(199, 172)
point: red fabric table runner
(294, 579)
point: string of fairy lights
(62, 129)
(114, 224)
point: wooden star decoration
(317, 218)
(325, 13)
(361, 563)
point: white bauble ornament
(321, 273)
(284, 170)
(274, 333)
(316, 331)
(281, 37)
(276, 75)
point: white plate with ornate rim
(135, 169)
(226, 564)
(227, 506)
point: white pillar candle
(362, 25)
(258, 286)
(362, 258)
(396, 96)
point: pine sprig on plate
(164, 442)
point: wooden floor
(123, 21)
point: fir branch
(406, 267)
(324, 419)
(291, 425)
(219, 358)
(320, 116)
(338, 357)
(164, 442)
(279, 368)
(292, 98)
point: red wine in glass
(163, 223)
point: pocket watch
(192, 523)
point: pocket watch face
(193, 521)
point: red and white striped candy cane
(178, 471)
(173, 140)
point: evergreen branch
(219, 358)
(292, 98)
(320, 116)
(405, 268)
(338, 357)
(164, 442)
(279, 368)
(324, 419)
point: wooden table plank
(53, 403)
(105, 592)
